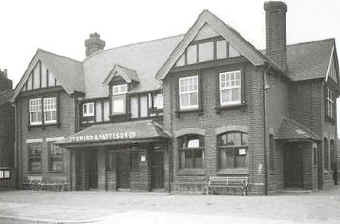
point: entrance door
(123, 169)
(320, 172)
(293, 169)
(157, 180)
(92, 169)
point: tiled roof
(5, 96)
(142, 129)
(293, 130)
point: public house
(200, 112)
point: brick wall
(249, 117)
(67, 123)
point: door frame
(296, 148)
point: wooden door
(92, 169)
(157, 176)
(123, 169)
(320, 170)
(293, 169)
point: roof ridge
(58, 55)
(131, 44)
(310, 42)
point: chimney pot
(94, 44)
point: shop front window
(191, 151)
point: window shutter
(176, 80)
(200, 92)
(243, 87)
(326, 101)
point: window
(326, 154)
(119, 98)
(330, 109)
(134, 107)
(88, 109)
(99, 114)
(158, 101)
(233, 150)
(35, 111)
(206, 51)
(188, 92)
(55, 158)
(191, 151)
(34, 157)
(50, 110)
(230, 88)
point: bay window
(232, 150)
(188, 92)
(191, 151)
(230, 88)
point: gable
(40, 77)
(229, 34)
(208, 45)
(332, 71)
(126, 74)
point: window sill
(56, 172)
(229, 107)
(242, 171)
(43, 126)
(191, 172)
(197, 110)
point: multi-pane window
(55, 158)
(330, 104)
(35, 111)
(233, 150)
(146, 105)
(119, 98)
(34, 157)
(88, 109)
(207, 50)
(50, 110)
(188, 92)
(191, 151)
(230, 88)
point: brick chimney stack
(94, 44)
(5, 83)
(276, 42)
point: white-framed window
(119, 89)
(158, 101)
(119, 98)
(88, 109)
(35, 111)
(188, 92)
(230, 88)
(50, 110)
(330, 104)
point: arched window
(326, 154)
(191, 151)
(232, 150)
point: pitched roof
(309, 60)
(66, 70)
(5, 96)
(231, 35)
(127, 74)
(293, 130)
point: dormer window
(88, 109)
(119, 98)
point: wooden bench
(227, 182)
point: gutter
(265, 151)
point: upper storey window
(43, 110)
(207, 50)
(188, 92)
(119, 98)
(230, 88)
(330, 104)
(88, 109)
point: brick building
(169, 113)
(7, 173)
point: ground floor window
(191, 151)
(232, 150)
(34, 157)
(55, 158)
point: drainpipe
(265, 87)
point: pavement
(127, 207)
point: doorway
(123, 170)
(157, 174)
(293, 167)
(92, 170)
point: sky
(62, 26)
